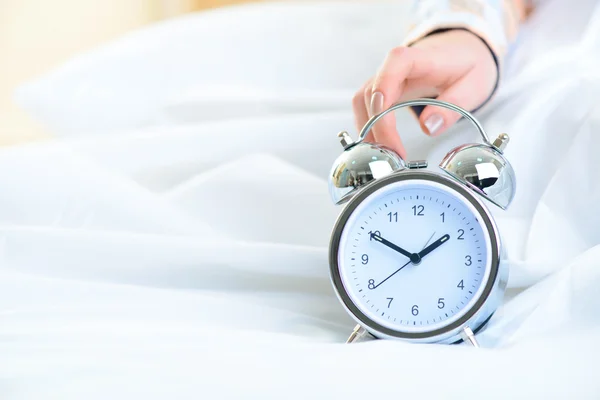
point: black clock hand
(412, 258)
(395, 272)
(391, 245)
(433, 246)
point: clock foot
(468, 336)
(356, 334)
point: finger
(468, 92)
(367, 99)
(386, 133)
(361, 114)
(401, 65)
(407, 63)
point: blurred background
(37, 35)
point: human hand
(454, 66)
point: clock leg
(468, 336)
(356, 334)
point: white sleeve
(495, 21)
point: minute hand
(433, 246)
(391, 245)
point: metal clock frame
(474, 318)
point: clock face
(414, 256)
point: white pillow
(232, 62)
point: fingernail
(433, 123)
(376, 103)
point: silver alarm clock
(415, 254)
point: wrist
(472, 52)
(461, 37)
(489, 26)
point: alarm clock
(415, 254)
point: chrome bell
(484, 169)
(359, 164)
(480, 167)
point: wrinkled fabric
(188, 258)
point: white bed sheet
(190, 260)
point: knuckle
(398, 51)
(456, 101)
(383, 82)
(452, 99)
(359, 98)
(378, 82)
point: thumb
(464, 93)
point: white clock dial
(414, 256)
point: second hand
(400, 269)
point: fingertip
(435, 120)
(387, 135)
(369, 138)
(396, 147)
(401, 152)
(433, 124)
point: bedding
(171, 241)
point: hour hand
(391, 245)
(434, 246)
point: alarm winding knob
(501, 141)
(345, 139)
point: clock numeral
(418, 211)
(371, 284)
(415, 310)
(394, 215)
(443, 215)
(460, 285)
(373, 233)
(390, 299)
(468, 261)
(365, 259)
(441, 303)
(461, 233)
